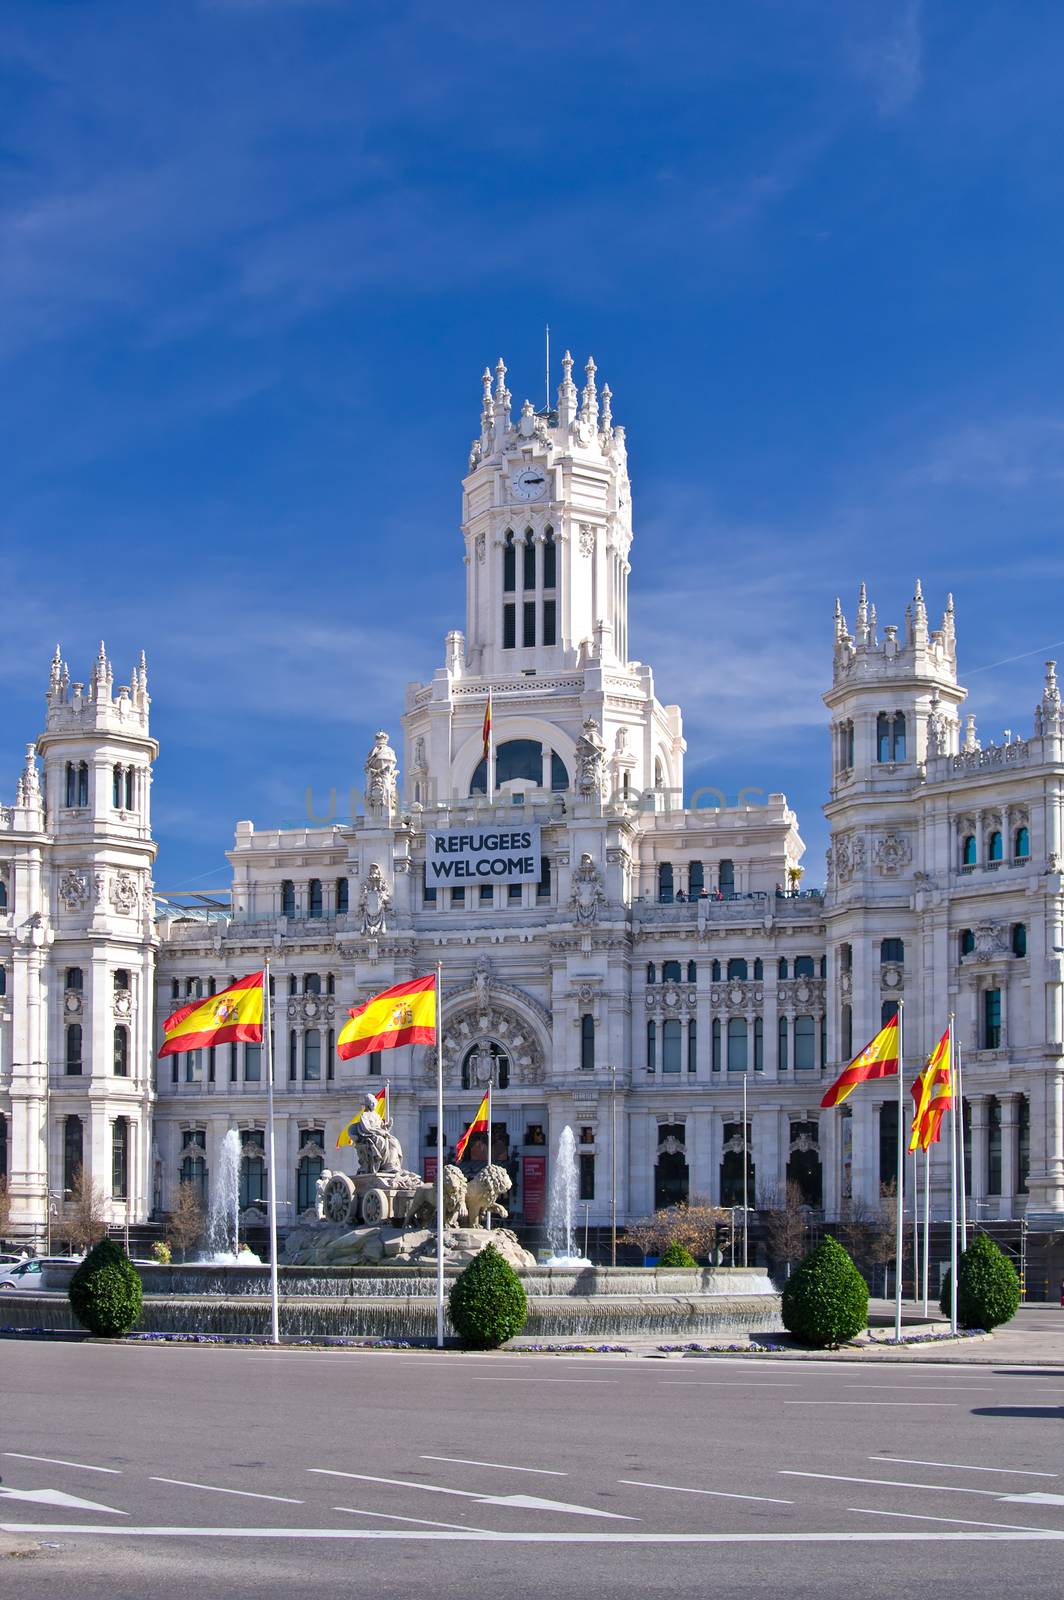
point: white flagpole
(899, 1209)
(490, 779)
(957, 1089)
(271, 1167)
(487, 1215)
(927, 1223)
(952, 1194)
(916, 1226)
(746, 1159)
(439, 1155)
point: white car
(29, 1274)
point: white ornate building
(659, 959)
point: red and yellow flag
(230, 1017)
(479, 1124)
(487, 727)
(380, 1106)
(404, 1014)
(879, 1059)
(932, 1097)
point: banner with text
(460, 856)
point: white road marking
(925, 1388)
(488, 1536)
(54, 1461)
(497, 1466)
(870, 1402)
(247, 1494)
(918, 1516)
(958, 1466)
(719, 1494)
(1039, 1498)
(719, 1383)
(56, 1497)
(492, 1377)
(392, 1516)
(891, 1483)
(521, 1501)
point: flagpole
(916, 1227)
(271, 1167)
(487, 1215)
(439, 1155)
(746, 1157)
(490, 752)
(958, 1090)
(952, 1195)
(927, 1221)
(899, 1208)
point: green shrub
(988, 1290)
(487, 1303)
(105, 1291)
(676, 1255)
(825, 1300)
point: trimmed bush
(676, 1255)
(105, 1291)
(825, 1300)
(988, 1290)
(487, 1304)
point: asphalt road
(166, 1470)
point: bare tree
(186, 1220)
(868, 1232)
(5, 1209)
(786, 1223)
(83, 1221)
(697, 1227)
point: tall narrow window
(882, 737)
(315, 902)
(759, 968)
(759, 1045)
(967, 942)
(652, 972)
(737, 1033)
(312, 1055)
(1023, 1142)
(968, 851)
(1019, 939)
(726, 878)
(3, 982)
(696, 880)
(75, 979)
(72, 1153)
(665, 883)
(652, 1046)
(528, 635)
(120, 1158)
(550, 622)
(714, 1036)
(121, 1052)
(847, 1033)
(892, 950)
(71, 797)
(587, 1043)
(293, 1055)
(129, 788)
(781, 1045)
(374, 1067)
(330, 1053)
(288, 898)
(116, 788)
(343, 890)
(252, 1063)
(528, 562)
(83, 784)
(692, 972)
(995, 851)
(1022, 844)
(991, 1019)
(550, 560)
(312, 983)
(428, 893)
(898, 737)
(782, 970)
(542, 887)
(509, 626)
(993, 1145)
(509, 565)
(670, 1045)
(3, 1146)
(887, 1010)
(804, 1044)
(692, 1046)
(73, 1049)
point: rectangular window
(529, 629)
(120, 1159)
(759, 1045)
(192, 1066)
(991, 1019)
(252, 1063)
(587, 1043)
(375, 1064)
(804, 1044)
(692, 1046)
(888, 1143)
(781, 1045)
(312, 1055)
(509, 626)
(652, 1046)
(428, 894)
(487, 894)
(73, 1049)
(587, 1177)
(670, 1046)
(330, 1058)
(293, 1055)
(993, 1146)
(715, 1045)
(550, 627)
(737, 1044)
(233, 1048)
(458, 896)
(513, 894)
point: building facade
(664, 957)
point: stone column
(699, 1151)
(765, 1151)
(978, 1108)
(1008, 1154)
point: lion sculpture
(422, 1207)
(466, 1201)
(483, 1194)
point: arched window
(478, 1063)
(692, 972)
(659, 773)
(559, 777)
(1022, 844)
(898, 749)
(696, 880)
(314, 898)
(71, 795)
(72, 1153)
(73, 1048)
(714, 971)
(121, 1052)
(670, 972)
(759, 968)
(342, 896)
(312, 1055)
(652, 972)
(995, 851)
(726, 878)
(1019, 939)
(652, 1046)
(309, 1169)
(83, 783)
(550, 562)
(193, 1169)
(967, 942)
(665, 883)
(804, 967)
(882, 737)
(781, 1045)
(887, 1010)
(528, 561)
(120, 1158)
(804, 1044)
(587, 1043)
(847, 1033)
(783, 968)
(509, 564)
(253, 1170)
(737, 1044)
(714, 1035)
(116, 788)
(892, 950)
(670, 1045)
(288, 898)
(518, 760)
(968, 850)
(737, 967)
(129, 788)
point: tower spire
(589, 408)
(566, 393)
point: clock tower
(547, 530)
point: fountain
(223, 1215)
(561, 1209)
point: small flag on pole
(232, 1017)
(879, 1059)
(347, 1135)
(487, 727)
(479, 1124)
(404, 1014)
(932, 1096)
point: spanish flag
(487, 727)
(932, 1096)
(479, 1124)
(226, 1018)
(404, 1014)
(877, 1060)
(347, 1135)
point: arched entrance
(671, 1174)
(803, 1163)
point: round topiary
(988, 1290)
(825, 1300)
(676, 1255)
(487, 1304)
(105, 1291)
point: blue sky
(254, 255)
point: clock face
(531, 484)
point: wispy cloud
(891, 57)
(1011, 452)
